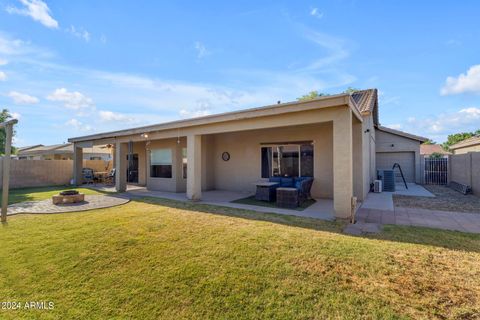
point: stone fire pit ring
(68, 197)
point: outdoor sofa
(302, 186)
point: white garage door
(385, 160)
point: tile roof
(29, 147)
(466, 143)
(367, 101)
(428, 149)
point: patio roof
(270, 110)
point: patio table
(265, 192)
(100, 175)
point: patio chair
(110, 178)
(303, 185)
(88, 176)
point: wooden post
(6, 165)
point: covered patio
(321, 209)
(220, 158)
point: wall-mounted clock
(226, 156)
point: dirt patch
(445, 199)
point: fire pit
(68, 197)
(69, 193)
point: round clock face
(226, 156)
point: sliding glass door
(287, 160)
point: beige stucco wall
(384, 141)
(369, 151)
(208, 158)
(359, 183)
(467, 149)
(166, 184)
(244, 166)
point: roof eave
(222, 117)
(402, 134)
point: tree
(458, 137)
(436, 155)
(4, 116)
(315, 94)
(351, 90)
(312, 95)
(429, 141)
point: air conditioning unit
(377, 186)
(388, 180)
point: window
(287, 160)
(184, 163)
(95, 158)
(161, 163)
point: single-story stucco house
(468, 145)
(62, 152)
(335, 139)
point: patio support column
(77, 165)
(194, 167)
(342, 164)
(359, 183)
(121, 167)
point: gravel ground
(445, 199)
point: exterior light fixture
(144, 135)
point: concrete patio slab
(378, 201)
(456, 221)
(321, 209)
(414, 190)
(384, 200)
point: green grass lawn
(41, 193)
(155, 259)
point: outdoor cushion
(275, 179)
(298, 184)
(300, 178)
(286, 182)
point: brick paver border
(91, 202)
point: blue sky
(75, 68)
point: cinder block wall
(476, 173)
(465, 168)
(98, 165)
(39, 173)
